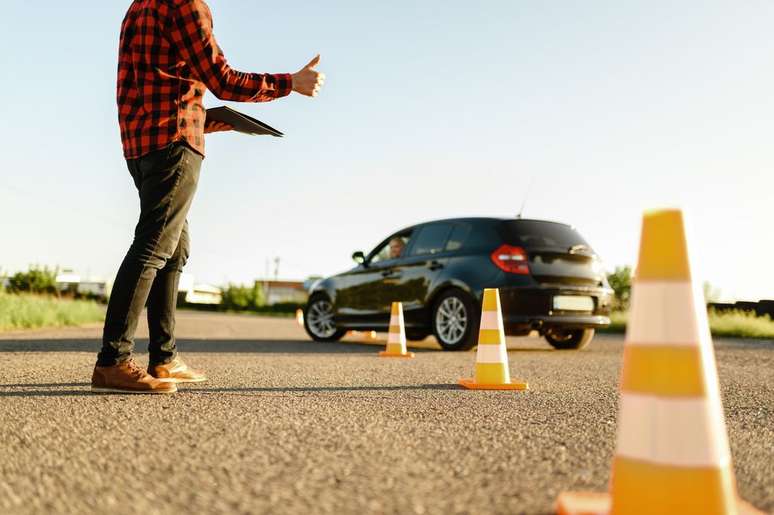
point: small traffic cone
(396, 337)
(672, 454)
(492, 356)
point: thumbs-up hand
(307, 80)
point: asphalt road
(286, 425)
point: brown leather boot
(127, 377)
(176, 371)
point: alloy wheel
(451, 320)
(320, 319)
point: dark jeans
(166, 181)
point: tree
(621, 283)
(35, 280)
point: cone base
(471, 384)
(583, 503)
(591, 503)
(385, 354)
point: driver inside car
(396, 247)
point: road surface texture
(286, 425)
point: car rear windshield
(535, 234)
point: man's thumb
(313, 62)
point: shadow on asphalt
(286, 389)
(43, 385)
(40, 389)
(258, 346)
(47, 393)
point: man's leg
(162, 304)
(166, 180)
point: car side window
(393, 248)
(431, 239)
(472, 237)
(458, 237)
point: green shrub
(743, 324)
(35, 280)
(243, 298)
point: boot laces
(134, 369)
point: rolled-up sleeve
(191, 33)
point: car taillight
(511, 259)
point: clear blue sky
(433, 110)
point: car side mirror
(359, 257)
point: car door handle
(389, 273)
(435, 265)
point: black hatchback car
(550, 281)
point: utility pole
(266, 280)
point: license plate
(573, 303)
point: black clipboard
(241, 122)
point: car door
(352, 296)
(418, 271)
(370, 288)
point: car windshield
(535, 234)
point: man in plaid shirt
(168, 57)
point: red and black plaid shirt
(167, 58)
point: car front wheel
(319, 322)
(455, 320)
(565, 339)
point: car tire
(455, 319)
(574, 339)
(318, 320)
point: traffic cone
(492, 356)
(672, 454)
(396, 337)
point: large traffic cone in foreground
(492, 356)
(396, 336)
(672, 454)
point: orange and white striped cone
(492, 355)
(396, 337)
(672, 453)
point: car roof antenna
(526, 196)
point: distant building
(189, 292)
(280, 292)
(68, 281)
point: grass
(35, 311)
(741, 324)
(732, 324)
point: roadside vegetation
(252, 299)
(31, 300)
(728, 324)
(28, 311)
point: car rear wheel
(455, 320)
(566, 339)
(319, 322)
